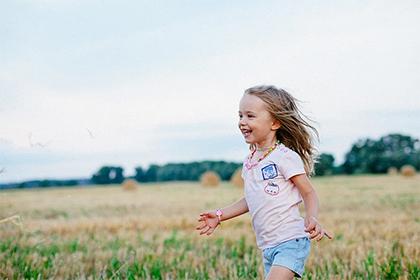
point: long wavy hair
(294, 132)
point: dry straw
(15, 219)
(408, 170)
(129, 185)
(236, 178)
(210, 179)
(392, 171)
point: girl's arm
(310, 199)
(236, 209)
(211, 220)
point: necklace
(263, 149)
(250, 165)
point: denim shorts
(291, 254)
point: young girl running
(276, 180)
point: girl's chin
(248, 141)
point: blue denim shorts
(291, 254)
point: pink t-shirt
(273, 199)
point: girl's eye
(251, 116)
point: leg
(278, 272)
(290, 259)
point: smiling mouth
(246, 132)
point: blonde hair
(294, 131)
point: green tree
(370, 156)
(324, 164)
(151, 173)
(140, 175)
(185, 171)
(108, 175)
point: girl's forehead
(251, 103)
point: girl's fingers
(317, 232)
(310, 227)
(319, 236)
(322, 234)
(205, 230)
(314, 233)
(314, 228)
(328, 234)
(311, 234)
(210, 231)
(200, 227)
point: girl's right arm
(210, 220)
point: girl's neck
(265, 146)
(249, 165)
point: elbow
(310, 194)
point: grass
(108, 233)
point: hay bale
(392, 171)
(408, 170)
(129, 185)
(210, 179)
(236, 178)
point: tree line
(365, 156)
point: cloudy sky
(129, 83)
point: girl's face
(256, 123)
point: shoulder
(289, 162)
(285, 153)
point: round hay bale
(129, 185)
(408, 170)
(392, 171)
(236, 178)
(210, 179)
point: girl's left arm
(310, 199)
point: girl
(276, 180)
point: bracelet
(219, 214)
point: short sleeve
(243, 168)
(291, 164)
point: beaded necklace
(250, 165)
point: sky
(130, 83)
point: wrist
(219, 214)
(312, 217)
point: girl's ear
(276, 125)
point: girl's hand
(315, 229)
(209, 222)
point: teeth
(246, 132)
